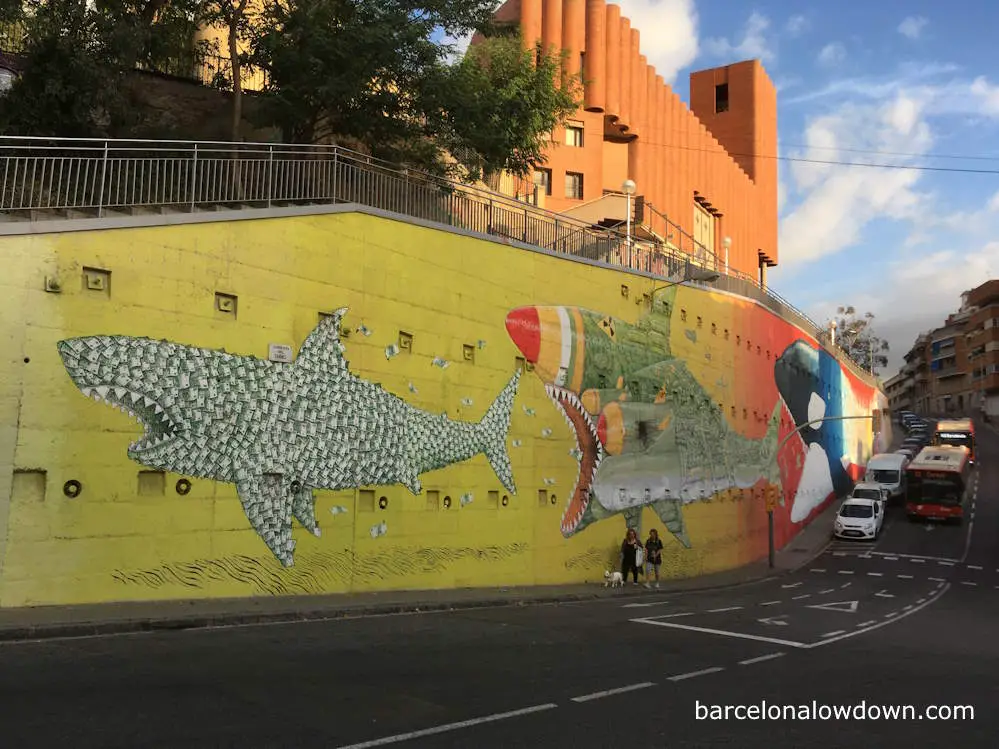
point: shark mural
(278, 431)
(647, 432)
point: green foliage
(500, 107)
(854, 334)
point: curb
(236, 619)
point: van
(888, 469)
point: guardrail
(62, 177)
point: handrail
(57, 177)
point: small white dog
(613, 579)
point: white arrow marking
(791, 585)
(727, 608)
(774, 620)
(847, 607)
(882, 594)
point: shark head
(127, 373)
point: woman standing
(653, 556)
(630, 548)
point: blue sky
(905, 83)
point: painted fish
(278, 431)
(649, 433)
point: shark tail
(493, 430)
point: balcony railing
(65, 178)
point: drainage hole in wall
(27, 360)
(72, 488)
(505, 500)
(447, 501)
(183, 487)
(383, 502)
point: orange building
(708, 168)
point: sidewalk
(41, 622)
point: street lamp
(726, 243)
(629, 189)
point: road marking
(769, 603)
(973, 567)
(803, 595)
(760, 659)
(844, 585)
(906, 608)
(895, 556)
(890, 614)
(643, 605)
(846, 572)
(727, 608)
(904, 577)
(914, 560)
(450, 727)
(692, 674)
(791, 585)
(774, 620)
(839, 554)
(816, 569)
(833, 634)
(827, 590)
(936, 579)
(967, 541)
(889, 558)
(880, 624)
(967, 582)
(946, 564)
(882, 594)
(920, 600)
(673, 616)
(722, 632)
(610, 692)
(876, 574)
(847, 607)
(868, 623)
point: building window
(574, 135)
(574, 185)
(543, 179)
(721, 97)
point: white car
(871, 490)
(859, 518)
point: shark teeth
(157, 426)
(587, 443)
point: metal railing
(66, 177)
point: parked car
(859, 518)
(870, 490)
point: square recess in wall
(433, 499)
(28, 486)
(152, 483)
(225, 304)
(97, 281)
(366, 500)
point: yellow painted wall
(130, 535)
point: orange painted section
(725, 157)
(551, 25)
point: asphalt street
(906, 622)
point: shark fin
(268, 509)
(768, 447)
(303, 507)
(315, 352)
(413, 484)
(671, 513)
(493, 430)
(633, 519)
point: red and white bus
(956, 432)
(937, 483)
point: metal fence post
(336, 168)
(104, 172)
(270, 173)
(194, 178)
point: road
(910, 620)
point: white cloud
(754, 44)
(912, 27)
(668, 30)
(796, 25)
(837, 202)
(832, 53)
(987, 94)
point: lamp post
(726, 243)
(770, 512)
(629, 189)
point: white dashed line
(839, 554)
(817, 569)
(727, 608)
(803, 595)
(674, 616)
(946, 564)
(973, 567)
(827, 590)
(760, 659)
(833, 634)
(917, 561)
(609, 692)
(936, 579)
(967, 582)
(906, 608)
(791, 585)
(892, 559)
(920, 600)
(889, 615)
(846, 572)
(905, 577)
(844, 585)
(769, 603)
(876, 574)
(692, 674)
(868, 623)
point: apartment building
(954, 369)
(704, 175)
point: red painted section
(524, 328)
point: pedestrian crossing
(842, 548)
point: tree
(359, 69)
(854, 334)
(237, 19)
(501, 102)
(76, 57)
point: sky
(904, 83)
